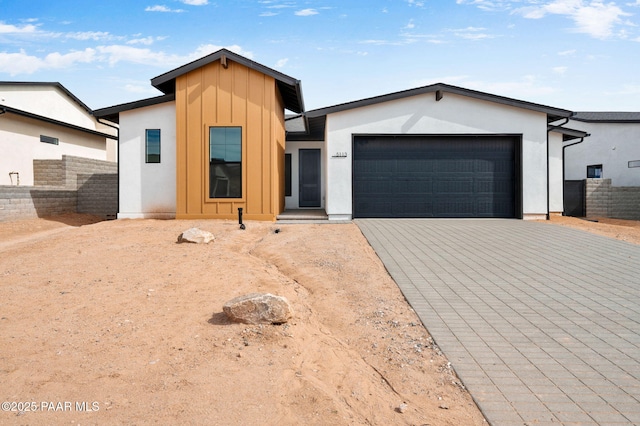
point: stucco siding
(147, 190)
(611, 144)
(20, 145)
(556, 185)
(422, 114)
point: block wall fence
(618, 202)
(69, 185)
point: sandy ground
(115, 323)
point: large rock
(258, 308)
(195, 235)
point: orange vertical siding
(236, 96)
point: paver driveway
(541, 322)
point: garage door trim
(516, 139)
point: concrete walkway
(541, 322)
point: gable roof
(553, 114)
(112, 113)
(289, 87)
(7, 109)
(607, 117)
(51, 84)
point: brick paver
(541, 322)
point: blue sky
(574, 54)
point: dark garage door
(436, 176)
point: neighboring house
(612, 151)
(41, 121)
(215, 142)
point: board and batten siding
(234, 96)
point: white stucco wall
(292, 148)
(147, 190)
(20, 145)
(454, 114)
(611, 144)
(556, 184)
(47, 101)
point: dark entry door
(309, 170)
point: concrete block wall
(98, 194)
(24, 202)
(618, 202)
(597, 197)
(625, 202)
(70, 185)
(48, 173)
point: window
(635, 163)
(48, 139)
(287, 175)
(594, 171)
(152, 146)
(225, 162)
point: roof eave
(56, 122)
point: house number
(340, 155)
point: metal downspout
(566, 120)
(118, 168)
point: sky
(574, 54)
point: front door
(309, 172)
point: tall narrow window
(152, 146)
(287, 175)
(225, 162)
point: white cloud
(472, 33)
(195, 2)
(282, 62)
(595, 18)
(417, 3)
(12, 29)
(22, 63)
(162, 8)
(145, 40)
(90, 35)
(140, 88)
(410, 25)
(560, 70)
(488, 5)
(567, 52)
(269, 14)
(306, 12)
(525, 88)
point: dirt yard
(116, 323)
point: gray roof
(52, 84)
(7, 109)
(607, 117)
(568, 133)
(290, 88)
(112, 113)
(439, 89)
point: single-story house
(612, 150)
(45, 121)
(218, 140)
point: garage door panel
(434, 176)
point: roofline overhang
(52, 83)
(166, 82)
(567, 133)
(112, 113)
(22, 113)
(553, 114)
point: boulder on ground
(258, 308)
(195, 235)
